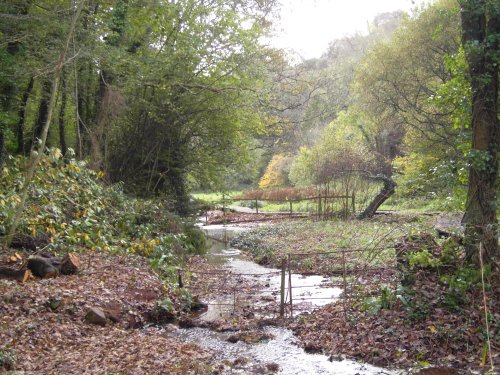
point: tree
(193, 93)
(412, 91)
(481, 41)
(339, 161)
(276, 174)
(37, 152)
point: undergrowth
(373, 238)
(72, 208)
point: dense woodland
(171, 97)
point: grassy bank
(376, 238)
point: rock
(113, 311)
(336, 358)
(198, 305)
(233, 339)
(272, 367)
(249, 337)
(186, 323)
(311, 347)
(95, 315)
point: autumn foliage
(280, 195)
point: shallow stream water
(281, 348)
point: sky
(307, 26)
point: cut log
(15, 258)
(10, 273)
(70, 264)
(42, 267)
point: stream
(280, 347)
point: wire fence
(343, 275)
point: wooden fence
(323, 203)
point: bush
(7, 359)
(195, 239)
(71, 207)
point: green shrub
(69, 204)
(459, 283)
(7, 359)
(423, 259)
(196, 240)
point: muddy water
(281, 348)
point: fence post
(345, 283)
(256, 206)
(353, 204)
(291, 208)
(282, 289)
(290, 284)
(319, 207)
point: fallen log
(42, 267)
(10, 273)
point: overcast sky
(307, 26)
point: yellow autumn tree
(276, 174)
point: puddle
(308, 293)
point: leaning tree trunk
(387, 190)
(480, 37)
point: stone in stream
(249, 337)
(198, 305)
(266, 368)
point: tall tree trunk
(22, 117)
(43, 112)
(9, 90)
(480, 37)
(62, 130)
(6, 99)
(2, 148)
(177, 181)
